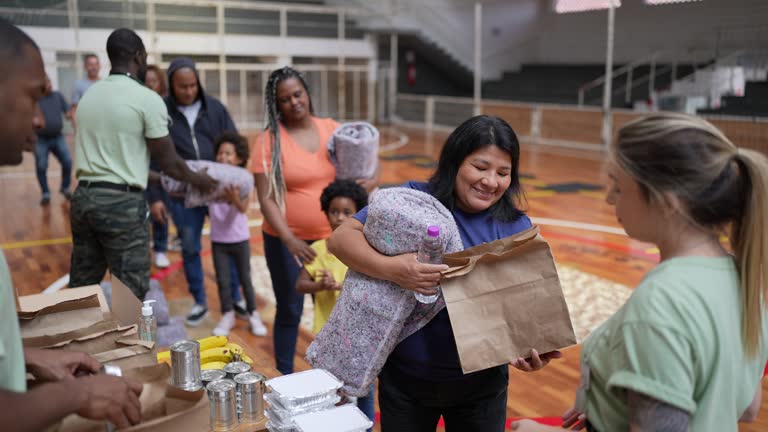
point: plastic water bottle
(430, 252)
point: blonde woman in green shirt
(687, 350)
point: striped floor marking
(68, 240)
(578, 225)
(33, 243)
(540, 193)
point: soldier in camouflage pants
(120, 125)
(110, 230)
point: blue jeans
(58, 146)
(284, 271)
(189, 224)
(160, 230)
(366, 404)
(159, 236)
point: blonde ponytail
(721, 186)
(750, 243)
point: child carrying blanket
(371, 315)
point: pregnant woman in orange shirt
(291, 167)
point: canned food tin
(250, 386)
(185, 365)
(223, 415)
(235, 368)
(210, 375)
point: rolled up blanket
(371, 315)
(227, 175)
(354, 150)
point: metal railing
(340, 90)
(726, 76)
(446, 113)
(726, 38)
(243, 88)
(567, 126)
(195, 16)
(627, 70)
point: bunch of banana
(215, 353)
(205, 344)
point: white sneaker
(161, 261)
(257, 327)
(226, 324)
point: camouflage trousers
(110, 231)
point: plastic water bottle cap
(146, 310)
(433, 231)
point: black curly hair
(240, 142)
(346, 189)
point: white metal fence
(567, 126)
(341, 92)
(195, 16)
(340, 87)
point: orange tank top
(306, 174)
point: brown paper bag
(105, 341)
(163, 408)
(60, 312)
(125, 305)
(504, 299)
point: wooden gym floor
(565, 196)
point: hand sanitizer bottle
(148, 323)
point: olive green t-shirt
(13, 375)
(114, 118)
(677, 340)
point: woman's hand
(574, 419)
(300, 250)
(536, 361)
(410, 274)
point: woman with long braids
(291, 167)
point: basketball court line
(162, 274)
(579, 225)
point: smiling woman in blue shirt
(477, 179)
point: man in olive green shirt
(120, 123)
(64, 381)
